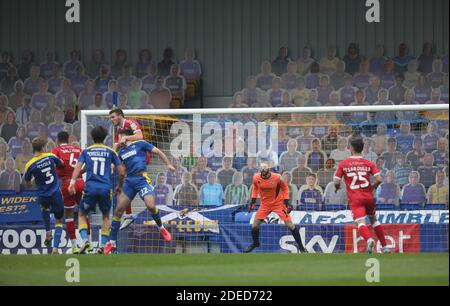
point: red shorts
(70, 201)
(279, 209)
(147, 158)
(362, 208)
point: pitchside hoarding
(19, 207)
(233, 238)
(228, 226)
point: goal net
(216, 152)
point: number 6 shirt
(69, 154)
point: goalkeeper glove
(251, 205)
(288, 206)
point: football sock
(380, 233)
(46, 217)
(70, 228)
(255, 235)
(82, 228)
(88, 223)
(364, 231)
(297, 238)
(58, 233)
(128, 210)
(115, 225)
(156, 217)
(105, 237)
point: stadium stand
(39, 100)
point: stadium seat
(405, 206)
(334, 207)
(386, 206)
(177, 102)
(308, 207)
(191, 89)
(437, 206)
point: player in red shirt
(274, 195)
(118, 119)
(69, 155)
(357, 173)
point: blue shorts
(55, 203)
(137, 184)
(92, 197)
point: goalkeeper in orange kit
(274, 194)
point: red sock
(70, 228)
(128, 210)
(380, 233)
(364, 232)
(88, 222)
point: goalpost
(231, 140)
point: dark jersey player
(42, 167)
(118, 119)
(274, 196)
(98, 160)
(357, 173)
(133, 156)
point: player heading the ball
(118, 119)
(133, 156)
(274, 194)
(357, 173)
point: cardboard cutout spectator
(264, 79)
(413, 192)
(168, 60)
(279, 64)
(352, 59)
(403, 58)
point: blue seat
(385, 206)
(334, 207)
(405, 206)
(437, 206)
(308, 207)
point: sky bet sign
(335, 238)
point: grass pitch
(226, 269)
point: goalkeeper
(274, 194)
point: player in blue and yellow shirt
(42, 167)
(98, 160)
(134, 155)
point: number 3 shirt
(43, 168)
(357, 172)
